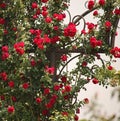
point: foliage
(36, 46)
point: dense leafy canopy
(36, 46)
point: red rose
(55, 28)
(95, 13)
(117, 11)
(38, 100)
(45, 112)
(20, 51)
(38, 12)
(44, 1)
(76, 117)
(66, 97)
(56, 87)
(11, 84)
(54, 96)
(102, 2)
(99, 43)
(21, 44)
(2, 97)
(5, 55)
(110, 68)
(14, 99)
(5, 32)
(46, 39)
(116, 52)
(34, 5)
(10, 109)
(90, 26)
(59, 17)
(70, 30)
(38, 32)
(3, 75)
(46, 91)
(2, 21)
(86, 100)
(84, 63)
(55, 39)
(44, 13)
(50, 70)
(52, 101)
(25, 85)
(64, 57)
(14, 29)
(67, 88)
(19, 47)
(35, 16)
(5, 48)
(93, 42)
(49, 105)
(78, 110)
(83, 32)
(32, 62)
(48, 20)
(90, 4)
(44, 8)
(108, 24)
(64, 79)
(95, 81)
(98, 56)
(3, 5)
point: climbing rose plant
(36, 46)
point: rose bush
(36, 46)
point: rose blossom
(102, 2)
(117, 11)
(38, 100)
(95, 81)
(10, 109)
(108, 24)
(70, 30)
(2, 21)
(67, 88)
(3, 5)
(11, 84)
(95, 13)
(25, 85)
(63, 57)
(86, 100)
(76, 117)
(46, 91)
(3, 75)
(56, 87)
(50, 70)
(48, 19)
(90, 4)
(44, 1)
(34, 5)
(110, 68)
(64, 79)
